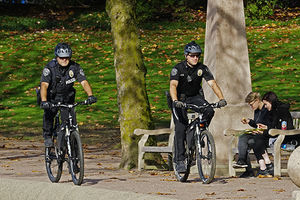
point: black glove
(178, 104)
(45, 105)
(222, 103)
(91, 99)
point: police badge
(199, 73)
(71, 73)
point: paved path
(23, 176)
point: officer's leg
(48, 120)
(64, 114)
(180, 121)
(179, 139)
(73, 114)
(199, 101)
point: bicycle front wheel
(54, 163)
(76, 160)
(206, 156)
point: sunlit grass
(273, 53)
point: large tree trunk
(134, 109)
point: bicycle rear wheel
(76, 160)
(206, 156)
(54, 164)
(182, 177)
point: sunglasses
(193, 56)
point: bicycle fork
(198, 139)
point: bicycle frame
(200, 146)
(69, 143)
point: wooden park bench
(157, 149)
(276, 151)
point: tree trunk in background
(226, 54)
(134, 109)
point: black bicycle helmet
(192, 47)
(63, 50)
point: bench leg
(277, 156)
(141, 145)
(141, 161)
(170, 161)
(230, 164)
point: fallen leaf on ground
(160, 193)
(279, 190)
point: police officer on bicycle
(57, 82)
(185, 87)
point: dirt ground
(24, 160)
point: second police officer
(185, 87)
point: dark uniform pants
(48, 119)
(181, 122)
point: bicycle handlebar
(195, 107)
(61, 105)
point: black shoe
(263, 173)
(270, 168)
(247, 174)
(180, 167)
(48, 141)
(240, 164)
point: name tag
(70, 81)
(181, 74)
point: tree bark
(134, 109)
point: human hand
(258, 131)
(245, 121)
(222, 103)
(178, 104)
(45, 105)
(91, 100)
(262, 126)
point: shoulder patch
(81, 72)
(174, 72)
(46, 72)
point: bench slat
(166, 149)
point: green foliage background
(27, 44)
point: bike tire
(76, 159)
(54, 164)
(206, 156)
(182, 177)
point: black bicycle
(67, 147)
(200, 147)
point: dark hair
(270, 97)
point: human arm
(44, 103)
(213, 84)
(173, 89)
(173, 94)
(44, 88)
(87, 88)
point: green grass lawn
(273, 52)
